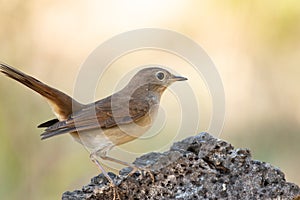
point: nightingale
(114, 120)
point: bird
(114, 120)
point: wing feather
(100, 115)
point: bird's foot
(116, 195)
(113, 187)
(143, 171)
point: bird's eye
(160, 76)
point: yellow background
(254, 45)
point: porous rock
(199, 167)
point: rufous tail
(62, 104)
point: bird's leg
(103, 155)
(93, 157)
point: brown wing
(100, 115)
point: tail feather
(48, 134)
(48, 123)
(61, 103)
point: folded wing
(100, 115)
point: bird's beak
(178, 78)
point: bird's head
(155, 79)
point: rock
(199, 167)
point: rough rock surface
(199, 167)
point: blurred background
(254, 45)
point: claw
(114, 187)
(142, 170)
(116, 193)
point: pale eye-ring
(160, 76)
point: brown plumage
(60, 102)
(114, 120)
